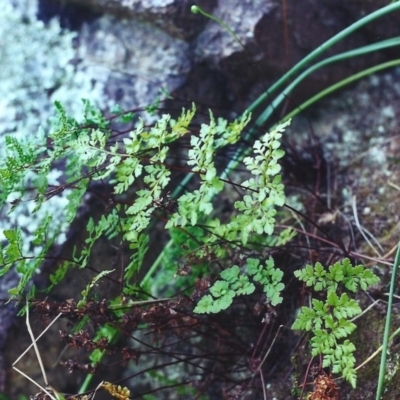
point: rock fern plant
(136, 164)
(90, 150)
(93, 150)
(329, 320)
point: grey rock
(133, 60)
(172, 16)
(275, 34)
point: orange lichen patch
(325, 389)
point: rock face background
(132, 52)
(135, 49)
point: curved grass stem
(385, 344)
(340, 85)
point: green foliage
(266, 192)
(137, 167)
(223, 291)
(235, 283)
(91, 154)
(340, 272)
(255, 217)
(12, 254)
(193, 205)
(268, 276)
(329, 320)
(91, 151)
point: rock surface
(275, 35)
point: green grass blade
(339, 57)
(321, 49)
(339, 85)
(382, 368)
